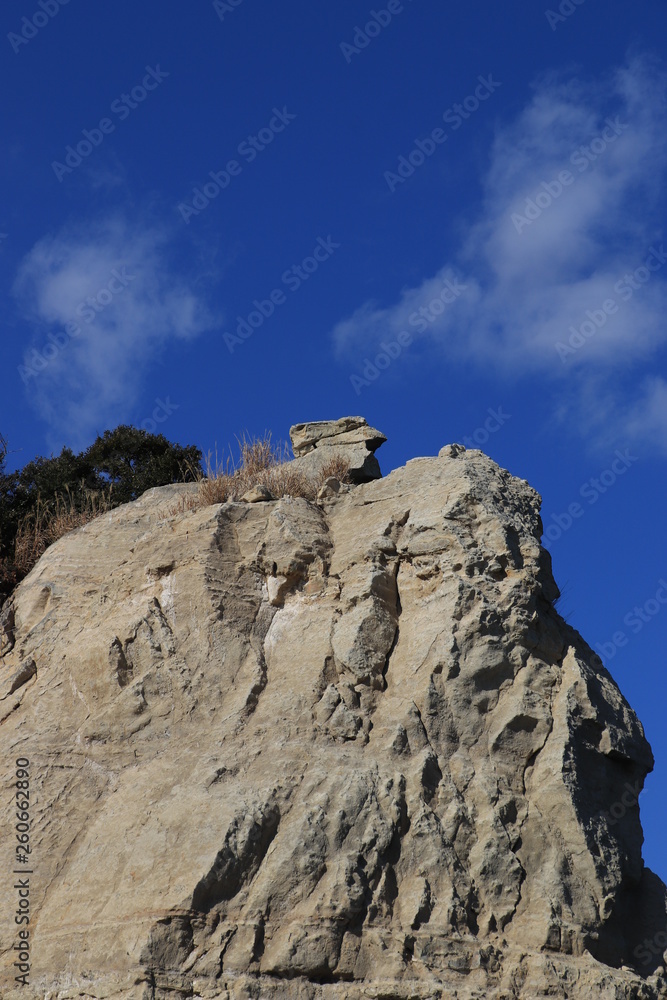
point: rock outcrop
(350, 439)
(333, 750)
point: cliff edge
(336, 749)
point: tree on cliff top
(50, 496)
(129, 461)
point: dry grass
(260, 463)
(338, 467)
(50, 522)
(188, 501)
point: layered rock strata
(349, 439)
(344, 749)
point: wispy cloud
(566, 224)
(645, 415)
(115, 282)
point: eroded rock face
(335, 750)
(350, 438)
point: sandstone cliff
(339, 749)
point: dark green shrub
(118, 467)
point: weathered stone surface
(328, 752)
(350, 438)
(329, 489)
(347, 430)
(25, 672)
(257, 494)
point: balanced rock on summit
(329, 751)
(350, 439)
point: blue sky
(446, 218)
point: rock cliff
(337, 749)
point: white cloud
(528, 281)
(115, 281)
(646, 417)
